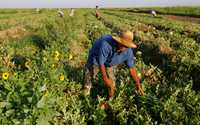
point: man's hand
(108, 82)
(140, 90)
(137, 81)
(111, 88)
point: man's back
(104, 52)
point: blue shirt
(104, 52)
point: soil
(14, 32)
(77, 51)
(184, 18)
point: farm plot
(41, 71)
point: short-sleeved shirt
(104, 51)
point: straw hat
(126, 39)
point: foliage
(41, 75)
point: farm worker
(37, 10)
(106, 53)
(153, 13)
(60, 13)
(71, 12)
(97, 13)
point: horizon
(92, 4)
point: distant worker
(71, 12)
(153, 13)
(60, 13)
(97, 13)
(38, 10)
(106, 53)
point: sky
(92, 3)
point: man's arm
(108, 82)
(104, 51)
(137, 80)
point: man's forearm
(137, 81)
(108, 81)
(135, 77)
(103, 72)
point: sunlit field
(42, 59)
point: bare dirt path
(184, 18)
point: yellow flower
(139, 75)
(5, 76)
(28, 64)
(56, 58)
(70, 56)
(46, 94)
(15, 74)
(57, 53)
(62, 77)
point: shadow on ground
(39, 41)
(74, 73)
(171, 69)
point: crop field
(183, 11)
(42, 58)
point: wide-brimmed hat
(126, 39)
